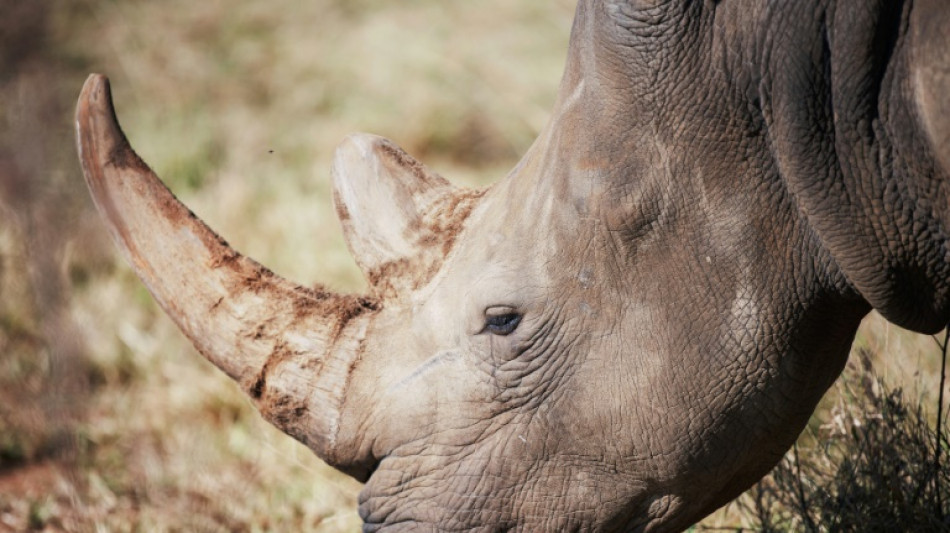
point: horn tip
(99, 137)
(95, 81)
(95, 98)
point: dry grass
(866, 461)
(108, 419)
(870, 466)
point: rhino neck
(830, 109)
(852, 149)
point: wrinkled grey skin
(723, 191)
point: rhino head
(631, 327)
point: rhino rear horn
(291, 348)
(399, 218)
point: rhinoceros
(634, 325)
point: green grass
(108, 418)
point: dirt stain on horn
(339, 308)
(123, 157)
(399, 157)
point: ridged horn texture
(399, 219)
(291, 348)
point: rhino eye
(501, 322)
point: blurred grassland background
(109, 421)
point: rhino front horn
(291, 348)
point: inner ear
(384, 199)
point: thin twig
(943, 379)
(801, 490)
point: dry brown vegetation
(868, 460)
(108, 419)
(871, 466)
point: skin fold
(635, 324)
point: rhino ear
(384, 199)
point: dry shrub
(871, 466)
